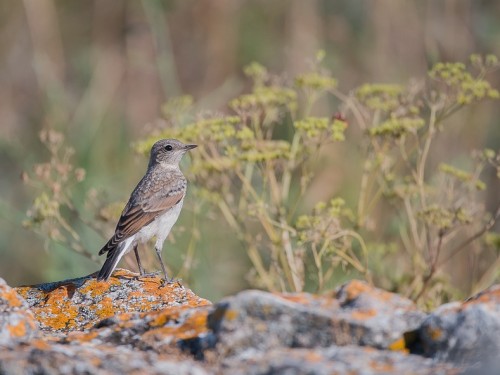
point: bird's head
(168, 152)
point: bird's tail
(112, 259)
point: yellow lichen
(11, 297)
(399, 345)
(363, 314)
(435, 333)
(17, 330)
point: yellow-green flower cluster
(493, 239)
(256, 71)
(476, 90)
(324, 222)
(315, 81)
(383, 97)
(266, 150)
(468, 88)
(490, 61)
(216, 129)
(318, 127)
(43, 208)
(177, 106)
(397, 127)
(265, 98)
(338, 128)
(462, 175)
(443, 218)
(313, 127)
(218, 164)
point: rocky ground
(141, 325)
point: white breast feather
(161, 226)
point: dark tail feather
(114, 256)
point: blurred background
(99, 71)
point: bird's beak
(189, 147)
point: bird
(152, 209)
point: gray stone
(465, 332)
(88, 359)
(17, 323)
(332, 360)
(356, 314)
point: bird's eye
(168, 147)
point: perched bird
(153, 207)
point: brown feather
(140, 212)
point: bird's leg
(141, 270)
(158, 252)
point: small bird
(153, 207)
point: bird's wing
(141, 211)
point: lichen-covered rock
(157, 330)
(80, 303)
(332, 360)
(465, 332)
(138, 325)
(16, 321)
(43, 357)
(356, 314)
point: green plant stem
(427, 279)
(287, 244)
(491, 223)
(256, 260)
(363, 191)
(230, 219)
(249, 168)
(188, 260)
(413, 223)
(287, 176)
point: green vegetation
(255, 165)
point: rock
(80, 303)
(356, 314)
(332, 360)
(466, 332)
(43, 357)
(138, 325)
(157, 330)
(17, 323)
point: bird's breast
(161, 226)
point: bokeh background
(99, 71)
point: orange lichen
(356, 287)
(231, 314)
(312, 356)
(18, 330)
(11, 296)
(301, 298)
(97, 288)
(82, 336)
(40, 344)
(382, 367)
(23, 291)
(487, 297)
(163, 317)
(104, 309)
(61, 312)
(434, 333)
(120, 272)
(399, 345)
(194, 324)
(363, 314)
(58, 308)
